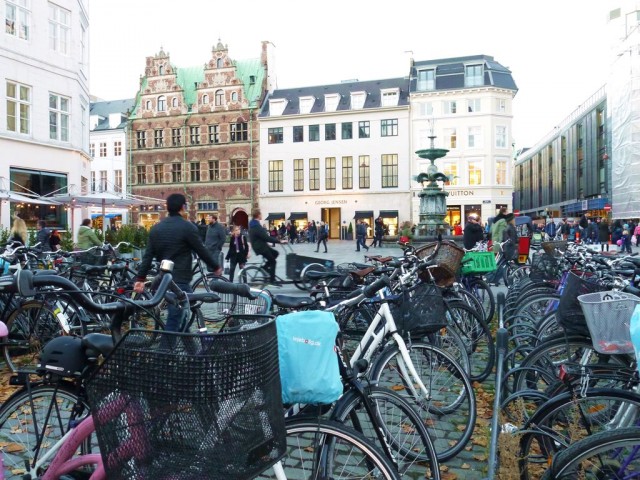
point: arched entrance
(240, 217)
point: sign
(330, 202)
(585, 204)
(486, 201)
(607, 207)
(461, 193)
(516, 212)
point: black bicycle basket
(184, 406)
(569, 314)
(419, 310)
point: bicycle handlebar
(240, 289)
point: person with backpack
(550, 230)
(323, 234)
(497, 231)
(44, 234)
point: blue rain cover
(634, 328)
(308, 362)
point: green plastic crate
(478, 262)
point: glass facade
(41, 183)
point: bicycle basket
(608, 316)
(419, 310)
(448, 260)
(551, 247)
(189, 406)
(569, 314)
(478, 262)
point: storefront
(594, 207)
(367, 217)
(471, 209)
(40, 183)
(453, 214)
(299, 219)
(114, 220)
(275, 219)
(390, 221)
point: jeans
(361, 242)
(176, 317)
(322, 240)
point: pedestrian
(361, 235)
(457, 229)
(215, 238)
(603, 234)
(473, 231)
(238, 252)
(202, 228)
(323, 234)
(378, 232)
(43, 235)
(497, 231)
(626, 241)
(312, 232)
(565, 229)
(175, 239)
(293, 233)
(18, 231)
(87, 237)
(550, 230)
(260, 240)
(616, 232)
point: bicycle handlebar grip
(371, 290)
(240, 289)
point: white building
(108, 149)
(468, 101)
(44, 112)
(336, 153)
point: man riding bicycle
(259, 239)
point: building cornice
(46, 145)
(363, 111)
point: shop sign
(461, 193)
(486, 201)
(585, 204)
(331, 202)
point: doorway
(331, 216)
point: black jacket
(216, 236)
(175, 238)
(259, 238)
(473, 233)
(511, 248)
(240, 255)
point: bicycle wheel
(448, 408)
(41, 414)
(319, 449)
(30, 327)
(254, 276)
(482, 291)
(607, 455)
(401, 425)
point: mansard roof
(103, 109)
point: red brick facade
(196, 132)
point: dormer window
(331, 101)
(473, 76)
(161, 70)
(426, 80)
(219, 63)
(357, 100)
(277, 106)
(306, 104)
(162, 103)
(219, 98)
(252, 79)
(205, 99)
(390, 97)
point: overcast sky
(556, 49)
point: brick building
(195, 131)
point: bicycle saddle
(93, 269)
(96, 344)
(290, 301)
(318, 275)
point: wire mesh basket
(419, 310)
(608, 316)
(184, 406)
(448, 259)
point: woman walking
(323, 234)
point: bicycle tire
(485, 296)
(254, 276)
(18, 421)
(316, 451)
(451, 403)
(403, 428)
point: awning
(389, 213)
(275, 216)
(297, 216)
(363, 214)
(108, 215)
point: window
(298, 134)
(475, 172)
(18, 18)
(314, 133)
(347, 131)
(306, 103)
(390, 98)
(501, 136)
(451, 170)
(161, 70)
(234, 96)
(214, 170)
(162, 103)
(219, 98)
(389, 170)
(239, 169)
(239, 132)
(148, 105)
(214, 133)
(473, 105)
(219, 63)
(92, 150)
(389, 128)
(103, 149)
(103, 180)
(176, 172)
(330, 173)
(475, 137)
(141, 139)
(347, 173)
(118, 181)
(93, 181)
(194, 135)
(426, 79)
(40, 183)
(330, 131)
(363, 171)
(275, 175)
(117, 148)
(158, 138)
(298, 174)
(450, 107)
(502, 105)
(157, 173)
(84, 185)
(83, 123)
(205, 99)
(207, 206)
(450, 138)
(501, 173)
(140, 174)
(59, 22)
(357, 100)
(59, 117)
(425, 109)
(473, 76)
(176, 137)
(331, 102)
(174, 102)
(314, 174)
(18, 108)
(275, 135)
(194, 171)
(363, 129)
(83, 47)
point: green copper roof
(244, 70)
(187, 78)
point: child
(238, 250)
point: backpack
(551, 229)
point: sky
(557, 50)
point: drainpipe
(251, 105)
(184, 158)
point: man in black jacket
(260, 239)
(216, 236)
(175, 239)
(473, 232)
